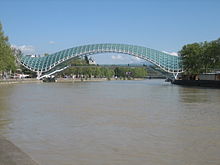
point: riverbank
(60, 80)
(63, 80)
(14, 81)
(10, 154)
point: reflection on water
(5, 94)
(115, 122)
(197, 95)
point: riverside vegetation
(80, 68)
(201, 57)
(7, 60)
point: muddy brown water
(147, 122)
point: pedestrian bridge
(52, 63)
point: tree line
(201, 57)
(7, 60)
(104, 72)
(81, 68)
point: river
(147, 122)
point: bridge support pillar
(175, 75)
(39, 74)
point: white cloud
(171, 53)
(117, 57)
(126, 59)
(136, 59)
(26, 49)
(51, 42)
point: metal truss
(55, 62)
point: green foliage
(86, 59)
(27, 71)
(201, 57)
(7, 60)
(77, 62)
(134, 72)
(191, 54)
(81, 68)
(139, 72)
(105, 72)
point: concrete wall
(206, 77)
(12, 155)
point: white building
(91, 61)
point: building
(209, 76)
(91, 61)
(31, 55)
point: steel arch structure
(55, 62)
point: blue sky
(46, 26)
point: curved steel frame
(49, 65)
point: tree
(201, 57)
(139, 72)
(87, 60)
(97, 72)
(7, 60)
(214, 53)
(210, 56)
(192, 59)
